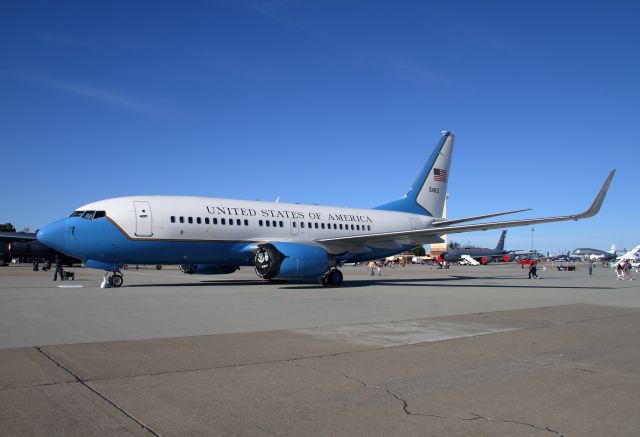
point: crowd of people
(623, 268)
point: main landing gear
(333, 278)
(115, 280)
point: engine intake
(290, 260)
(268, 261)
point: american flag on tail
(440, 175)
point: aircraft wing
(422, 236)
(447, 222)
(17, 236)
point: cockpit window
(88, 215)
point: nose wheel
(115, 280)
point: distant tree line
(7, 227)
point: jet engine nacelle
(290, 260)
(207, 269)
(508, 257)
(484, 260)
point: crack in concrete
(405, 408)
(96, 392)
(44, 384)
(489, 419)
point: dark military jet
(480, 254)
(26, 246)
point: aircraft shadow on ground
(448, 282)
(238, 282)
(452, 281)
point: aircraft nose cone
(53, 235)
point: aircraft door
(143, 219)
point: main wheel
(334, 278)
(115, 280)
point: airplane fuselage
(194, 230)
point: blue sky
(331, 102)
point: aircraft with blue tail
(209, 235)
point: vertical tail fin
(500, 245)
(613, 249)
(427, 194)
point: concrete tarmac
(465, 351)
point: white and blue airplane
(281, 240)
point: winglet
(597, 202)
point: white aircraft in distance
(631, 255)
(596, 254)
(281, 240)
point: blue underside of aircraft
(106, 247)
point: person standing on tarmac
(626, 271)
(533, 271)
(58, 269)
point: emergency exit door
(143, 219)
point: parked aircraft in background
(480, 254)
(633, 255)
(566, 257)
(527, 258)
(26, 245)
(280, 240)
(595, 254)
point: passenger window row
(268, 223)
(271, 223)
(336, 226)
(214, 221)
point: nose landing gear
(115, 280)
